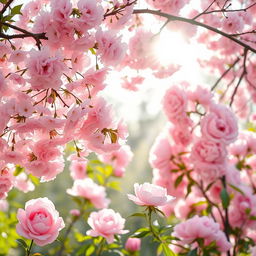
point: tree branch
(196, 23)
(6, 6)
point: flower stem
(30, 248)
(101, 247)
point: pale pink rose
(201, 227)
(150, 195)
(39, 221)
(91, 191)
(181, 135)
(133, 244)
(106, 223)
(219, 125)
(174, 103)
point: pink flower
(201, 227)
(133, 244)
(78, 169)
(75, 212)
(89, 190)
(150, 195)
(39, 221)
(110, 48)
(44, 70)
(23, 183)
(4, 205)
(106, 223)
(6, 182)
(174, 103)
(220, 125)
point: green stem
(30, 248)
(101, 247)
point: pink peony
(150, 195)
(39, 221)
(93, 192)
(220, 125)
(133, 244)
(106, 223)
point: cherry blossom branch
(240, 78)
(6, 6)
(37, 37)
(225, 73)
(196, 23)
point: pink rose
(150, 195)
(87, 189)
(39, 221)
(106, 223)
(220, 125)
(133, 244)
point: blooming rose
(39, 221)
(150, 195)
(201, 227)
(106, 223)
(220, 125)
(93, 192)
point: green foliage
(8, 233)
(225, 198)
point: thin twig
(6, 6)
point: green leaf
(167, 251)
(18, 170)
(90, 250)
(159, 249)
(22, 243)
(178, 180)
(236, 188)
(3, 1)
(193, 252)
(114, 185)
(16, 9)
(34, 179)
(138, 214)
(141, 234)
(142, 229)
(225, 199)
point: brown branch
(119, 10)
(225, 73)
(196, 23)
(37, 37)
(240, 78)
(6, 6)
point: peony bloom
(39, 221)
(150, 195)
(93, 192)
(106, 223)
(133, 244)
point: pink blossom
(174, 103)
(75, 212)
(220, 125)
(3, 205)
(17, 56)
(201, 227)
(23, 183)
(92, 14)
(106, 223)
(201, 95)
(39, 221)
(78, 169)
(91, 191)
(44, 70)
(133, 244)
(110, 48)
(61, 10)
(150, 195)
(6, 182)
